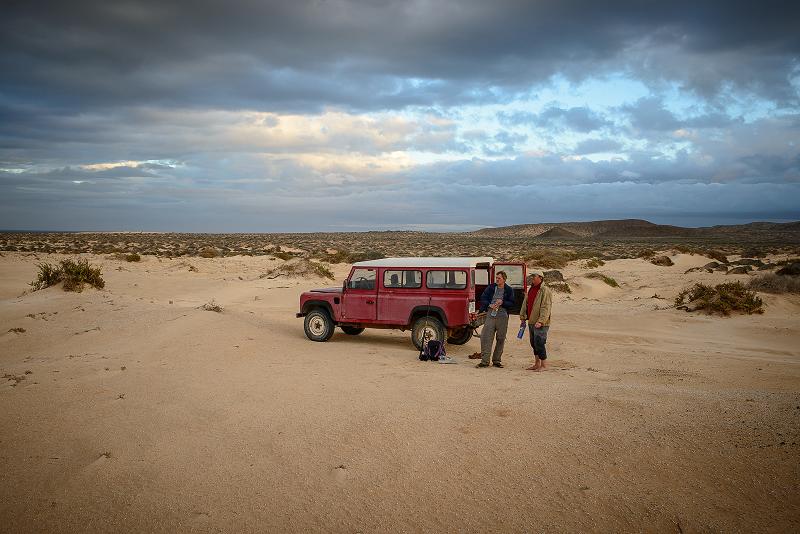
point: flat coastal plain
(132, 408)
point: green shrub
(73, 273)
(607, 279)
(722, 299)
(774, 283)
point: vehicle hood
(326, 290)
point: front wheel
(425, 329)
(352, 330)
(461, 336)
(318, 325)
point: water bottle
(521, 332)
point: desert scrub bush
(49, 275)
(73, 273)
(561, 287)
(594, 263)
(722, 299)
(212, 306)
(208, 252)
(343, 256)
(549, 258)
(77, 273)
(133, 257)
(367, 256)
(607, 279)
(775, 283)
(300, 267)
(664, 261)
(717, 255)
(321, 270)
(754, 252)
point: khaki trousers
(494, 327)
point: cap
(536, 272)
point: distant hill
(638, 228)
(557, 233)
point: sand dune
(132, 408)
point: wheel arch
(314, 304)
(432, 311)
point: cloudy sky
(255, 115)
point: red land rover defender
(435, 298)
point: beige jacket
(540, 313)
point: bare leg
(542, 366)
(536, 364)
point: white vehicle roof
(425, 262)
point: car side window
(446, 279)
(405, 279)
(362, 279)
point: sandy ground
(131, 409)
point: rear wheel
(352, 330)
(461, 336)
(318, 325)
(425, 329)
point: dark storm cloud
(372, 55)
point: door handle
(370, 301)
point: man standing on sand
(495, 301)
(536, 310)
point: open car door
(517, 279)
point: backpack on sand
(433, 351)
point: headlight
(472, 307)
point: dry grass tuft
(722, 299)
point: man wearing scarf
(536, 311)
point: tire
(431, 326)
(318, 325)
(461, 336)
(351, 330)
